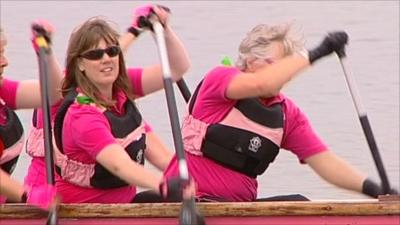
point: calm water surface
(212, 29)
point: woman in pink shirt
(238, 120)
(98, 129)
(36, 174)
(18, 95)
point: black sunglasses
(97, 54)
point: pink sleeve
(91, 130)
(8, 92)
(147, 127)
(299, 136)
(216, 82)
(211, 103)
(135, 76)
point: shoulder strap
(194, 96)
(59, 119)
(34, 118)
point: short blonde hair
(257, 41)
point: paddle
(189, 214)
(362, 115)
(183, 88)
(44, 89)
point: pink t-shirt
(8, 95)
(211, 107)
(83, 125)
(36, 174)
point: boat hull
(267, 220)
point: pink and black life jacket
(248, 138)
(35, 141)
(127, 129)
(12, 136)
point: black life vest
(11, 134)
(241, 149)
(121, 126)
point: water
(211, 29)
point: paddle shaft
(48, 147)
(171, 102)
(362, 114)
(46, 116)
(188, 213)
(183, 88)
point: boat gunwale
(214, 209)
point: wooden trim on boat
(215, 209)
(383, 198)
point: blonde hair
(84, 37)
(257, 41)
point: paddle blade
(189, 214)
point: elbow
(180, 70)
(267, 91)
(184, 67)
(273, 92)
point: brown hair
(84, 37)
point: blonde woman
(239, 120)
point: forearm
(336, 171)
(177, 55)
(274, 77)
(156, 152)
(55, 78)
(136, 175)
(162, 161)
(268, 81)
(10, 188)
(117, 161)
(125, 41)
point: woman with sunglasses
(98, 129)
(238, 120)
(21, 95)
(36, 174)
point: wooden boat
(385, 211)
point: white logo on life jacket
(139, 156)
(255, 144)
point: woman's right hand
(373, 189)
(175, 189)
